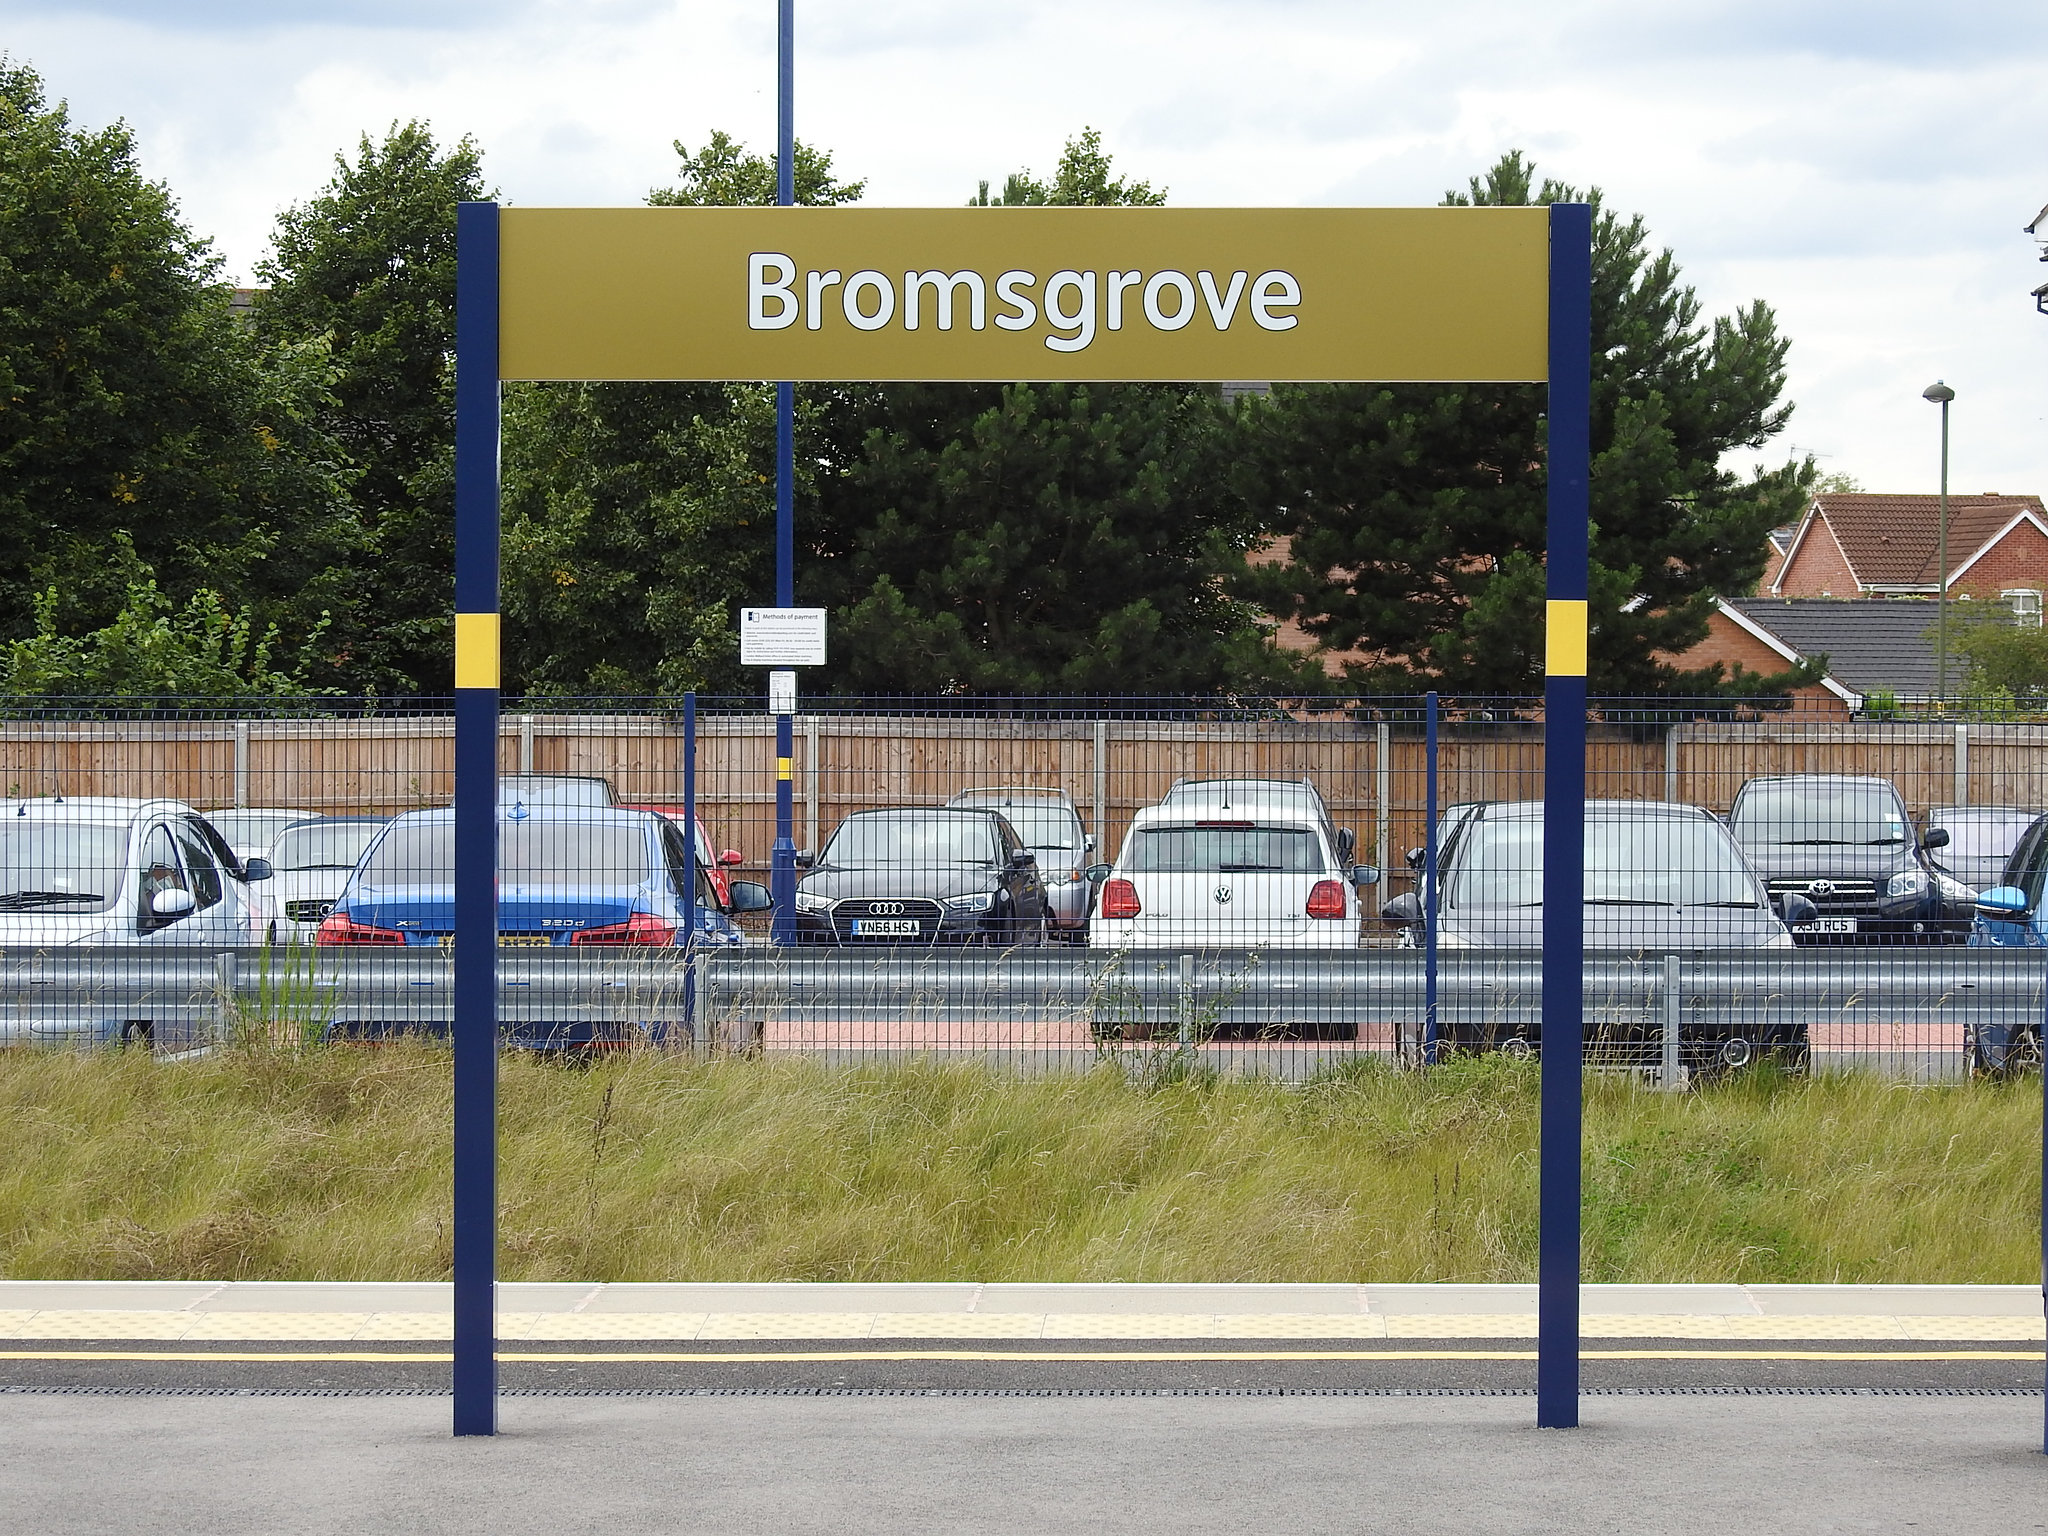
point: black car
(917, 876)
(1846, 843)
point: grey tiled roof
(1871, 644)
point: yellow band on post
(476, 650)
(785, 768)
(1565, 638)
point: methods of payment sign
(1024, 293)
(782, 637)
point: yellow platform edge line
(1080, 1357)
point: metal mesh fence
(1247, 883)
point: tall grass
(333, 1163)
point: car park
(1980, 840)
(99, 870)
(717, 865)
(310, 862)
(1846, 843)
(916, 875)
(1253, 795)
(1051, 828)
(1218, 868)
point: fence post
(1429, 891)
(1186, 1033)
(1962, 766)
(526, 743)
(1383, 774)
(1669, 1080)
(1101, 777)
(811, 771)
(241, 762)
(1671, 762)
(689, 871)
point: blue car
(2010, 916)
(569, 876)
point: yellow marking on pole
(476, 650)
(1564, 633)
(785, 768)
(1037, 1356)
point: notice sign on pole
(782, 637)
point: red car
(717, 867)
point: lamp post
(1941, 395)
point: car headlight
(806, 902)
(1953, 890)
(1908, 883)
(981, 901)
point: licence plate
(885, 928)
(1831, 925)
(508, 941)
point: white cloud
(1863, 167)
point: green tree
(368, 268)
(146, 436)
(155, 648)
(2002, 657)
(1416, 512)
(639, 516)
(1036, 538)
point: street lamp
(1941, 395)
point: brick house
(1860, 545)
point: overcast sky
(1863, 167)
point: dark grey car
(1980, 839)
(921, 876)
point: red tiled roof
(1894, 540)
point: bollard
(1672, 1077)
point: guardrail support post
(241, 762)
(1671, 1078)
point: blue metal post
(782, 864)
(690, 864)
(1430, 1036)
(2041, 1050)
(1568, 454)
(476, 818)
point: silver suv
(1051, 828)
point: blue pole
(1430, 1037)
(1568, 452)
(476, 817)
(782, 865)
(689, 865)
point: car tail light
(1120, 899)
(640, 928)
(1327, 899)
(340, 928)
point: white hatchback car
(1199, 872)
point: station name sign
(1024, 293)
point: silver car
(1051, 828)
(96, 870)
(1659, 877)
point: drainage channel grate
(1736, 1391)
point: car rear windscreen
(1652, 861)
(322, 845)
(537, 851)
(1221, 850)
(1043, 826)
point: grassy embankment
(333, 1164)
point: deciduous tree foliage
(148, 441)
(1416, 513)
(368, 266)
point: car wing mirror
(1797, 910)
(2006, 903)
(172, 903)
(732, 856)
(805, 858)
(1088, 843)
(747, 896)
(1936, 837)
(1022, 856)
(1416, 857)
(256, 869)
(1404, 911)
(1097, 873)
(1365, 874)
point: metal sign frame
(481, 302)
